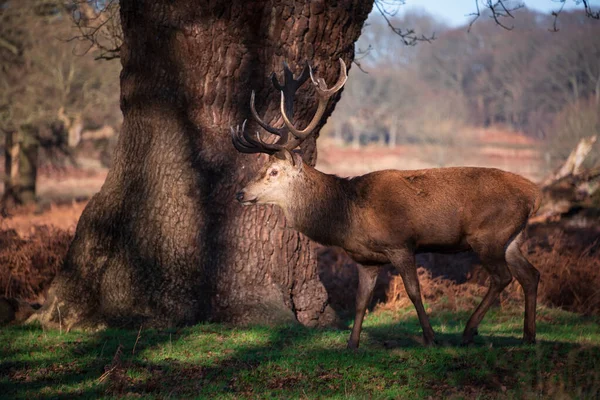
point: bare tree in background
(48, 83)
(518, 79)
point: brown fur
(389, 216)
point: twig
(136, 340)
(99, 24)
(102, 349)
(409, 36)
(105, 375)
(476, 15)
(59, 317)
(588, 10)
(498, 10)
(555, 14)
(116, 362)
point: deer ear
(292, 157)
(287, 155)
(297, 159)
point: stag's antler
(246, 143)
(324, 94)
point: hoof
(529, 339)
(467, 338)
(352, 346)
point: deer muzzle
(243, 198)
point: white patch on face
(275, 184)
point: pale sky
(454, 12)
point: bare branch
(359, 54)
(409, 37)
(475, 16)
(588, 10)
(99, 24)
(499, 10)
(555, 14)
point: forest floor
(219, 361)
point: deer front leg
(367, 276)
(404, 261)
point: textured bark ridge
(163, 243)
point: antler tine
(239, 144)
(291, 85)
(271, 129)
(289, 88)
(324, 94)
(245, 143)
(321, 85)
(238, 140)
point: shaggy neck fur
(319, 206)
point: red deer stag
(389, 216)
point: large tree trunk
(164, 243)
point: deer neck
(319, 207)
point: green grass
(213, 360)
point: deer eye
(273, 172)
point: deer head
(284, 167)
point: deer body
(389, 216)
(432, 210)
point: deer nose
(240, 196)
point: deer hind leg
(367, 276)
(404, 261)
(500, 276)
(528, 276)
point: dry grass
(28, 265)
(570, 270)
(33, 245)
(26, 219)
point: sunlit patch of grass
(214, 360)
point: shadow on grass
(35, 363)
(291, 361)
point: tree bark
(28, 163)
(12, 148)
(164, 243)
